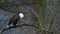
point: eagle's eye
(21, 15)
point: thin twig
(38, 18)
(52, 21)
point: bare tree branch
(18, 26)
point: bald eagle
(14, 19)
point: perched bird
(14, 19)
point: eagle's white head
(21, 15)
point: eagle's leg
(14, 23)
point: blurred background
(44, 14)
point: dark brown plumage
(14, 19)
